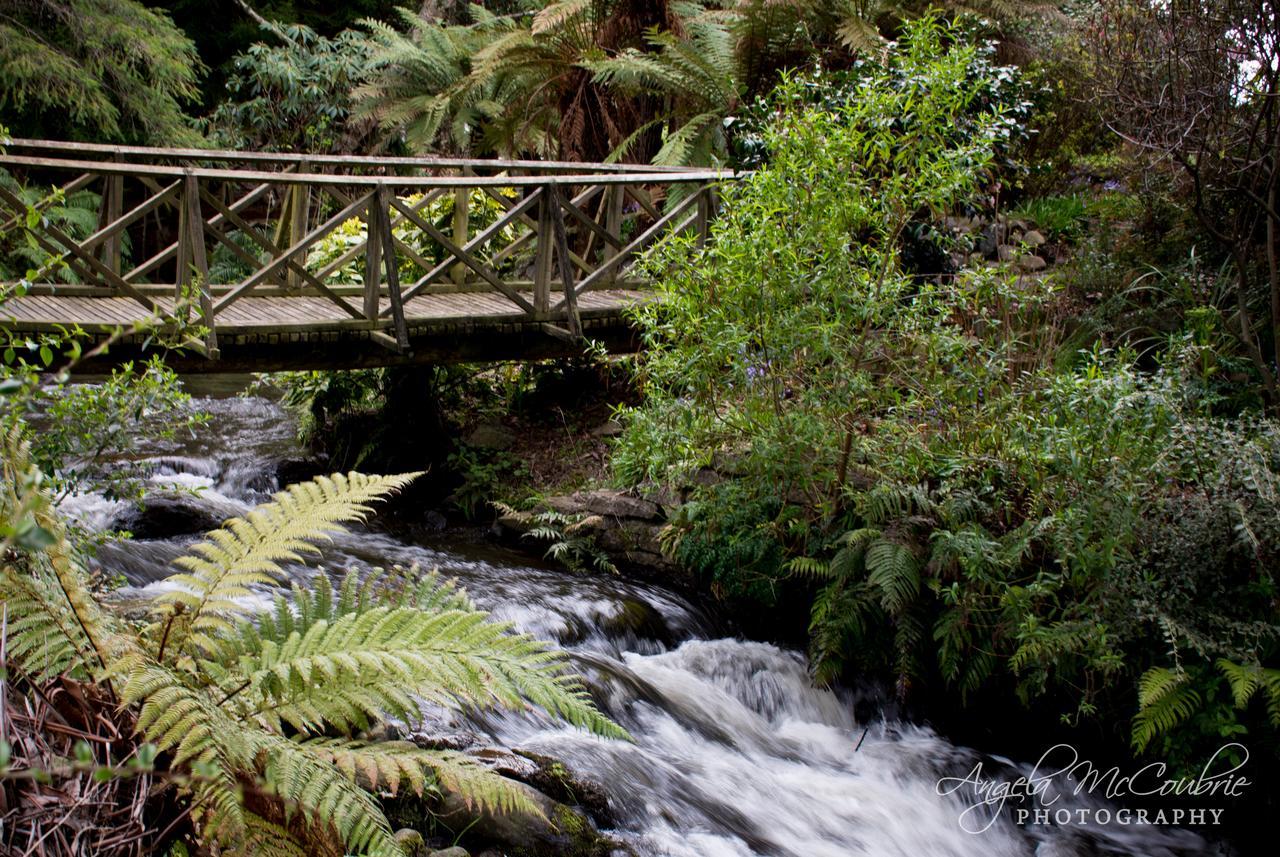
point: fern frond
(55, 625)
(1165, 699)
(393, 764)
(480, 787)
(326, 795)
(809, 567)
(384, 661)
(1244, 680)
(893, 570)
(247, 552)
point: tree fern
(257, 718)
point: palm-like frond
(383, 661)
(255, 721)
(246, 552)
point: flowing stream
(735, 753)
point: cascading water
(735, 753)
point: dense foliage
(108, 70)
(977, 483)
(972, 505)
(293, 95)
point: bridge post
(392, 267)
(613, 225)
(112, 207)
(373, 256)
(566, 263)
(299, 209)
(461, 224)
(197, 267)
(703, 220)
(542, 261)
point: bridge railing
(204, 229)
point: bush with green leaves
(293, 95)
(257, 726)
(967, 505)
(87, 430)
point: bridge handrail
(107, 151)
(372, 181)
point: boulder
(163, 516)
(489, 436)
(608, 428)
(411, 842)
(640, 620)
(606, 503)
(1033, 238)
(555, 830)
(615, 504)
(1031, 263)
(1006, 252)
(550, 777)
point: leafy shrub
(87, 430)
(967, 507)
(484, 475)
(293, 95)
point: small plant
(568, 541)
(484, 474)
(1062, 217)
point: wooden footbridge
(264, 261)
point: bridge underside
(266, 334)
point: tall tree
(106, 70)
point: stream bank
(736, 753)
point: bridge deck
(293, 315)
(264, 334)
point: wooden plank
(350, 161)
